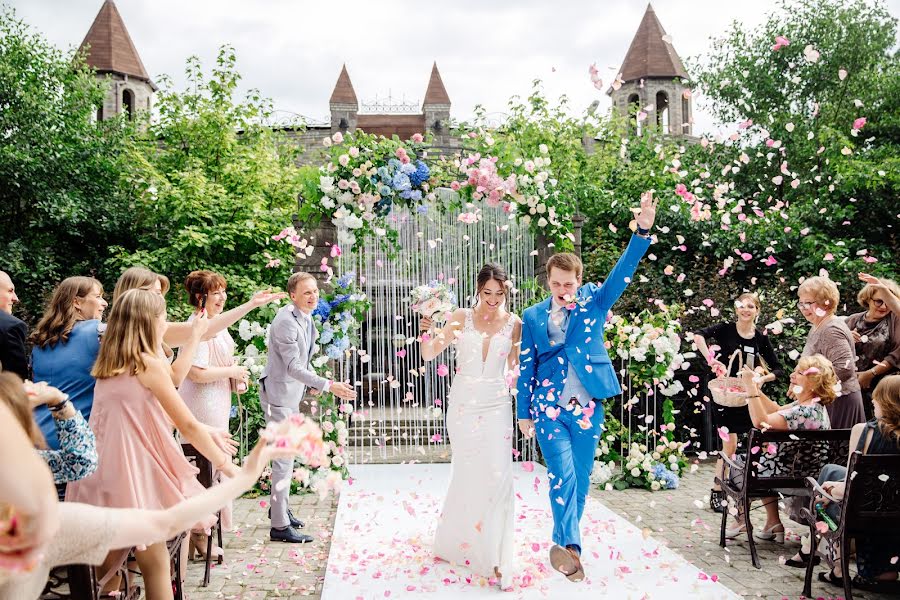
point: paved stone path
(258, 569)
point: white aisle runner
(385, 525)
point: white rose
(654, 486)
(353, 222)
(328, 427)
(337, 461)
(635, 472)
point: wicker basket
(729, 391)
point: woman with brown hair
(876, 333)
(752, 345)
(213, 373)
(135, 406)
(66, 344)
(476, 526)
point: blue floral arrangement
(338, 316)
(402, 178)
(666, 478)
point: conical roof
(436, 92)
(343, 90)
(649, 54)
(110, 49)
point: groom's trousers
(282, 469)
(568, 450)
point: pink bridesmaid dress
(141, 463)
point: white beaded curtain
(400, 414)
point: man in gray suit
(292, 337)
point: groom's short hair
(565, 261)
(295, 280)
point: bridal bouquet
(433, 301)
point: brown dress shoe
(567, 562)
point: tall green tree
(214, 183)
(61, 199)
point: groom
(565, 373)
(292, 343)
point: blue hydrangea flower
(666, 478)
(234, 412)
(422, 208)
(326, 336)
(400, 182)
(383, 173)
(345, 280)
(394, 165)
(333, 352)
(322, 311)
(408, 168)
(420, 175)
(342, 343)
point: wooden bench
(799, 454)
(870, 508)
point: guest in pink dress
(135, 408)
(213, 374)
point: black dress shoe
(289, 535)
(294, 521)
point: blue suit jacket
(543, 368)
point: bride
(476, 524)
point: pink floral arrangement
(486, 183)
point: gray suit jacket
(287, 373)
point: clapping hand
(647, 214)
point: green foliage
(61, 197)
(212, 185)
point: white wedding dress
(475, 529)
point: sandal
(803, 562)
(831, 578)
(717, 501)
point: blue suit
(569, 438)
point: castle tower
(436, 106)
(654, 76)
(110, 51)
(343, 104)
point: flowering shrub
(650, 344)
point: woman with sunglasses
(876, 333)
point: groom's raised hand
(526, 426)
(647, 214)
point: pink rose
(418, 138)
(338, 137)
(344, 160)
(354, 151)
(859, 123)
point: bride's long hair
(491, 271)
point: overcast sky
(292, 50)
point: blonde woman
(49, 534)
(813, 382)
(829, 336)
(742, 337)
(135, 405)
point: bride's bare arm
(435, 342)
(512, 361)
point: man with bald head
(12, 331)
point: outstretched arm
(618, 279)
(178, 334)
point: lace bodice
(478, 356)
